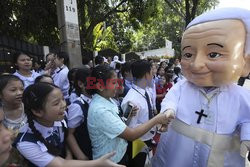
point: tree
(112, 12)
(189, 9)
(122, 25)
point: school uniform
(34, 150)
(60, 78)
(152, 93)
(27, 80)
(105, 126)
(136, 95)
(208, 126)
(127, 86)
(16, 124)
(75, 116)
(161, 89)
(73, 96)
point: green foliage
(122, 25)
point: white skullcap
(227, 13)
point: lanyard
(140, 92)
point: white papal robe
(228, 113)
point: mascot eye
(214, 55)
(187, 55)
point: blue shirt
(104, 127)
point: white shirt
(37, 152)
(152, 94)
(73, 96)
(75, 115)
(228, 113)
(27, 80)
(60, 78)
(136, 95)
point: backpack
(81, 133)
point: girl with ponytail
(41, 140)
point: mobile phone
(128, 110)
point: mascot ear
(246, 69)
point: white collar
(46, 131)
(139, 89)
(85, 98)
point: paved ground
(247, 84)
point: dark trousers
(125, 159)
(140, 158)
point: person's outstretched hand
(169, 116)
(105, 161)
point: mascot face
(213, 52)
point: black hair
(39, 78)
(99, 60)
(126, 67)
(47, 55)
(6, 78)
(168, 77)
(162, 63)
(170, 65)
(177, 70)
(64, 56)
(34, 98)
(139, 68)
(81, 75)
(158, 70)
(101, 72)
(16, 55)
(71, 78)
(85, 60)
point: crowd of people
(110, 113)
(86, 116)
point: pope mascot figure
(212, 113)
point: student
(38, 66)
(50, 66)
(118, 101)
(87, 62)
(23, 63)
(162, 89)
(99, 60)
(44, 78)
(5, 141)
(106, 129)
(152, 87)
(41, 141)
(141, 96)
(177, 74)
(11, 92)
(160, 72)
(78, 142)
(71, 77)
(60, 76)
(127, 77)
